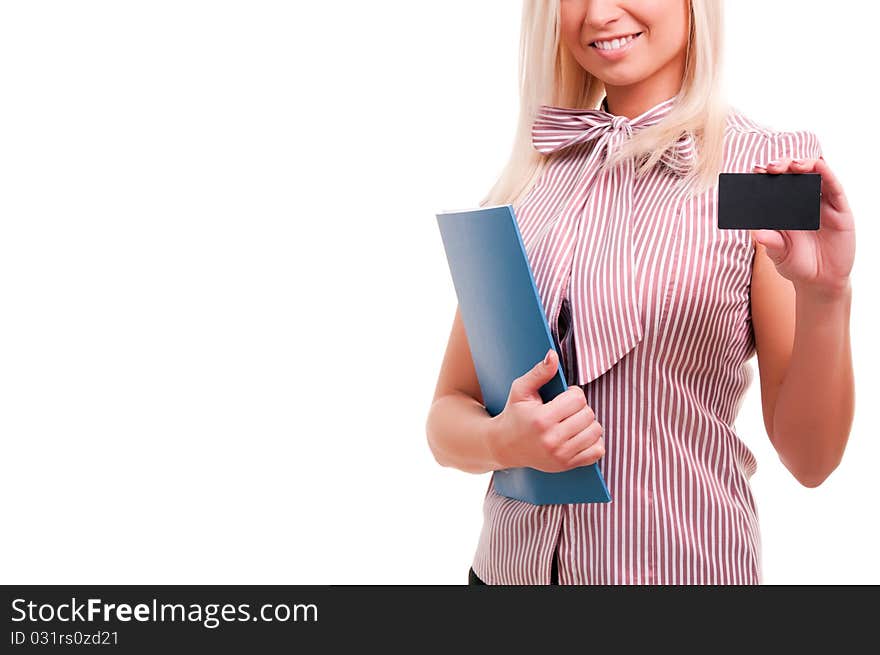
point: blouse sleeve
(797, 144)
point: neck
(635, 99)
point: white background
(224, 299)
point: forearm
(815, 404)
(459, 433)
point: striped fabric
(648, 302)
(593, 259)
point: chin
(620, 79)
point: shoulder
(748, 141)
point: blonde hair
(548, 74)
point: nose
(601, 15)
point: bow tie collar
(585, 251)
(556, 128)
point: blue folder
(508, 333)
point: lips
(624, 36)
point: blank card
(768, 201)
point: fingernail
(773, 163)
(797, 161)
(547, 358)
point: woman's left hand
(820, 260)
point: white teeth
(614, 43)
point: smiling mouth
(606, 45)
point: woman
(654, 310)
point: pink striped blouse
(649, 303)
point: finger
(802, 165)
(577, 422)
(581, 441)
(569, 402)
(529, 383)
(590, 455)
(832, 189)
(779, 165)
(772, 240)
(775, 243)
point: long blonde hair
(548, 74)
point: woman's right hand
(555, 436)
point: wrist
(825, 294)
(491, 436)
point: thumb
(527, 385)
(773, 241)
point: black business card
(768, 201)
